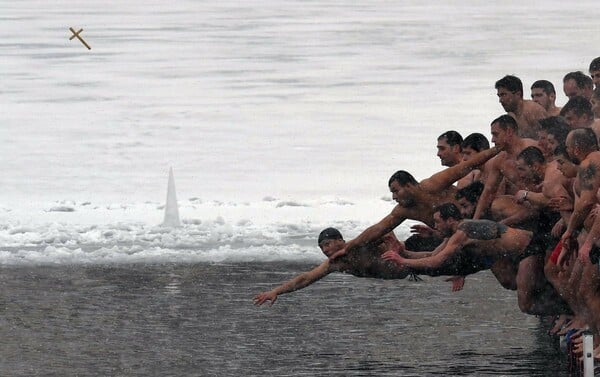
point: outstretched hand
(422, 230)
(338, 254)
(393, 256)
(261, 298)
(458, 282)
(390, 242)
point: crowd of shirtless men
(528, 209)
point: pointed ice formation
(171, 210)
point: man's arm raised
(301, 281)
(491, 185)
(455, 242)
(374, 232)
(442, 180)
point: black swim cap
(330, 234)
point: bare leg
(505, 270)
(535, 295)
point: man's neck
(519, 110)
(514, 146)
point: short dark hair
(531, 155)
(505, 122)
(403, 178)
(581, 79)
(452, 138)
(545, 85)
(579, 105)
(511, 83)
(476, 141)
(561, 150)
(448, 210)
(471, 192)
(329, 234)
(595, 65)
(555, 126)
(585, 138)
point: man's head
(467, 198)
(581, 142)
(595, 71)
(446, 218)
(504, 130)
(402, 186)
(565, 165)
(510, 92)
(595, 101)
(553, 132)
(330, 240)
(448, 148)
(531, 165)
(474, 143)
(578, 112)
(577, 84)
(543, 93)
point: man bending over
(362, 262)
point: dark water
(198, 320)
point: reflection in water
(199, 320)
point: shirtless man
(448, 148)
(553, 133)
(504, 135)
(416, 200)
(595, 101)
(475, 241)
(578, 113)
(535, 171)
(364, 262)
(472, 144)
(581, 288)
(582, 148)
(526, 112)
(544, 94)
(578, 84)
(595, 71)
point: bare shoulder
(399, 212)
(555, 182)
(534, 109)
(596, 127)
(553, 174)
(589, 172)
(497, 162)
(593, 158)
(530, 143)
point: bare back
(527, 118)
(366, 261)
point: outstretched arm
(374, 232)
(301, 281)
(436, 260)
(442, 180)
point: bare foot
(575, 323)
(559, 322)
